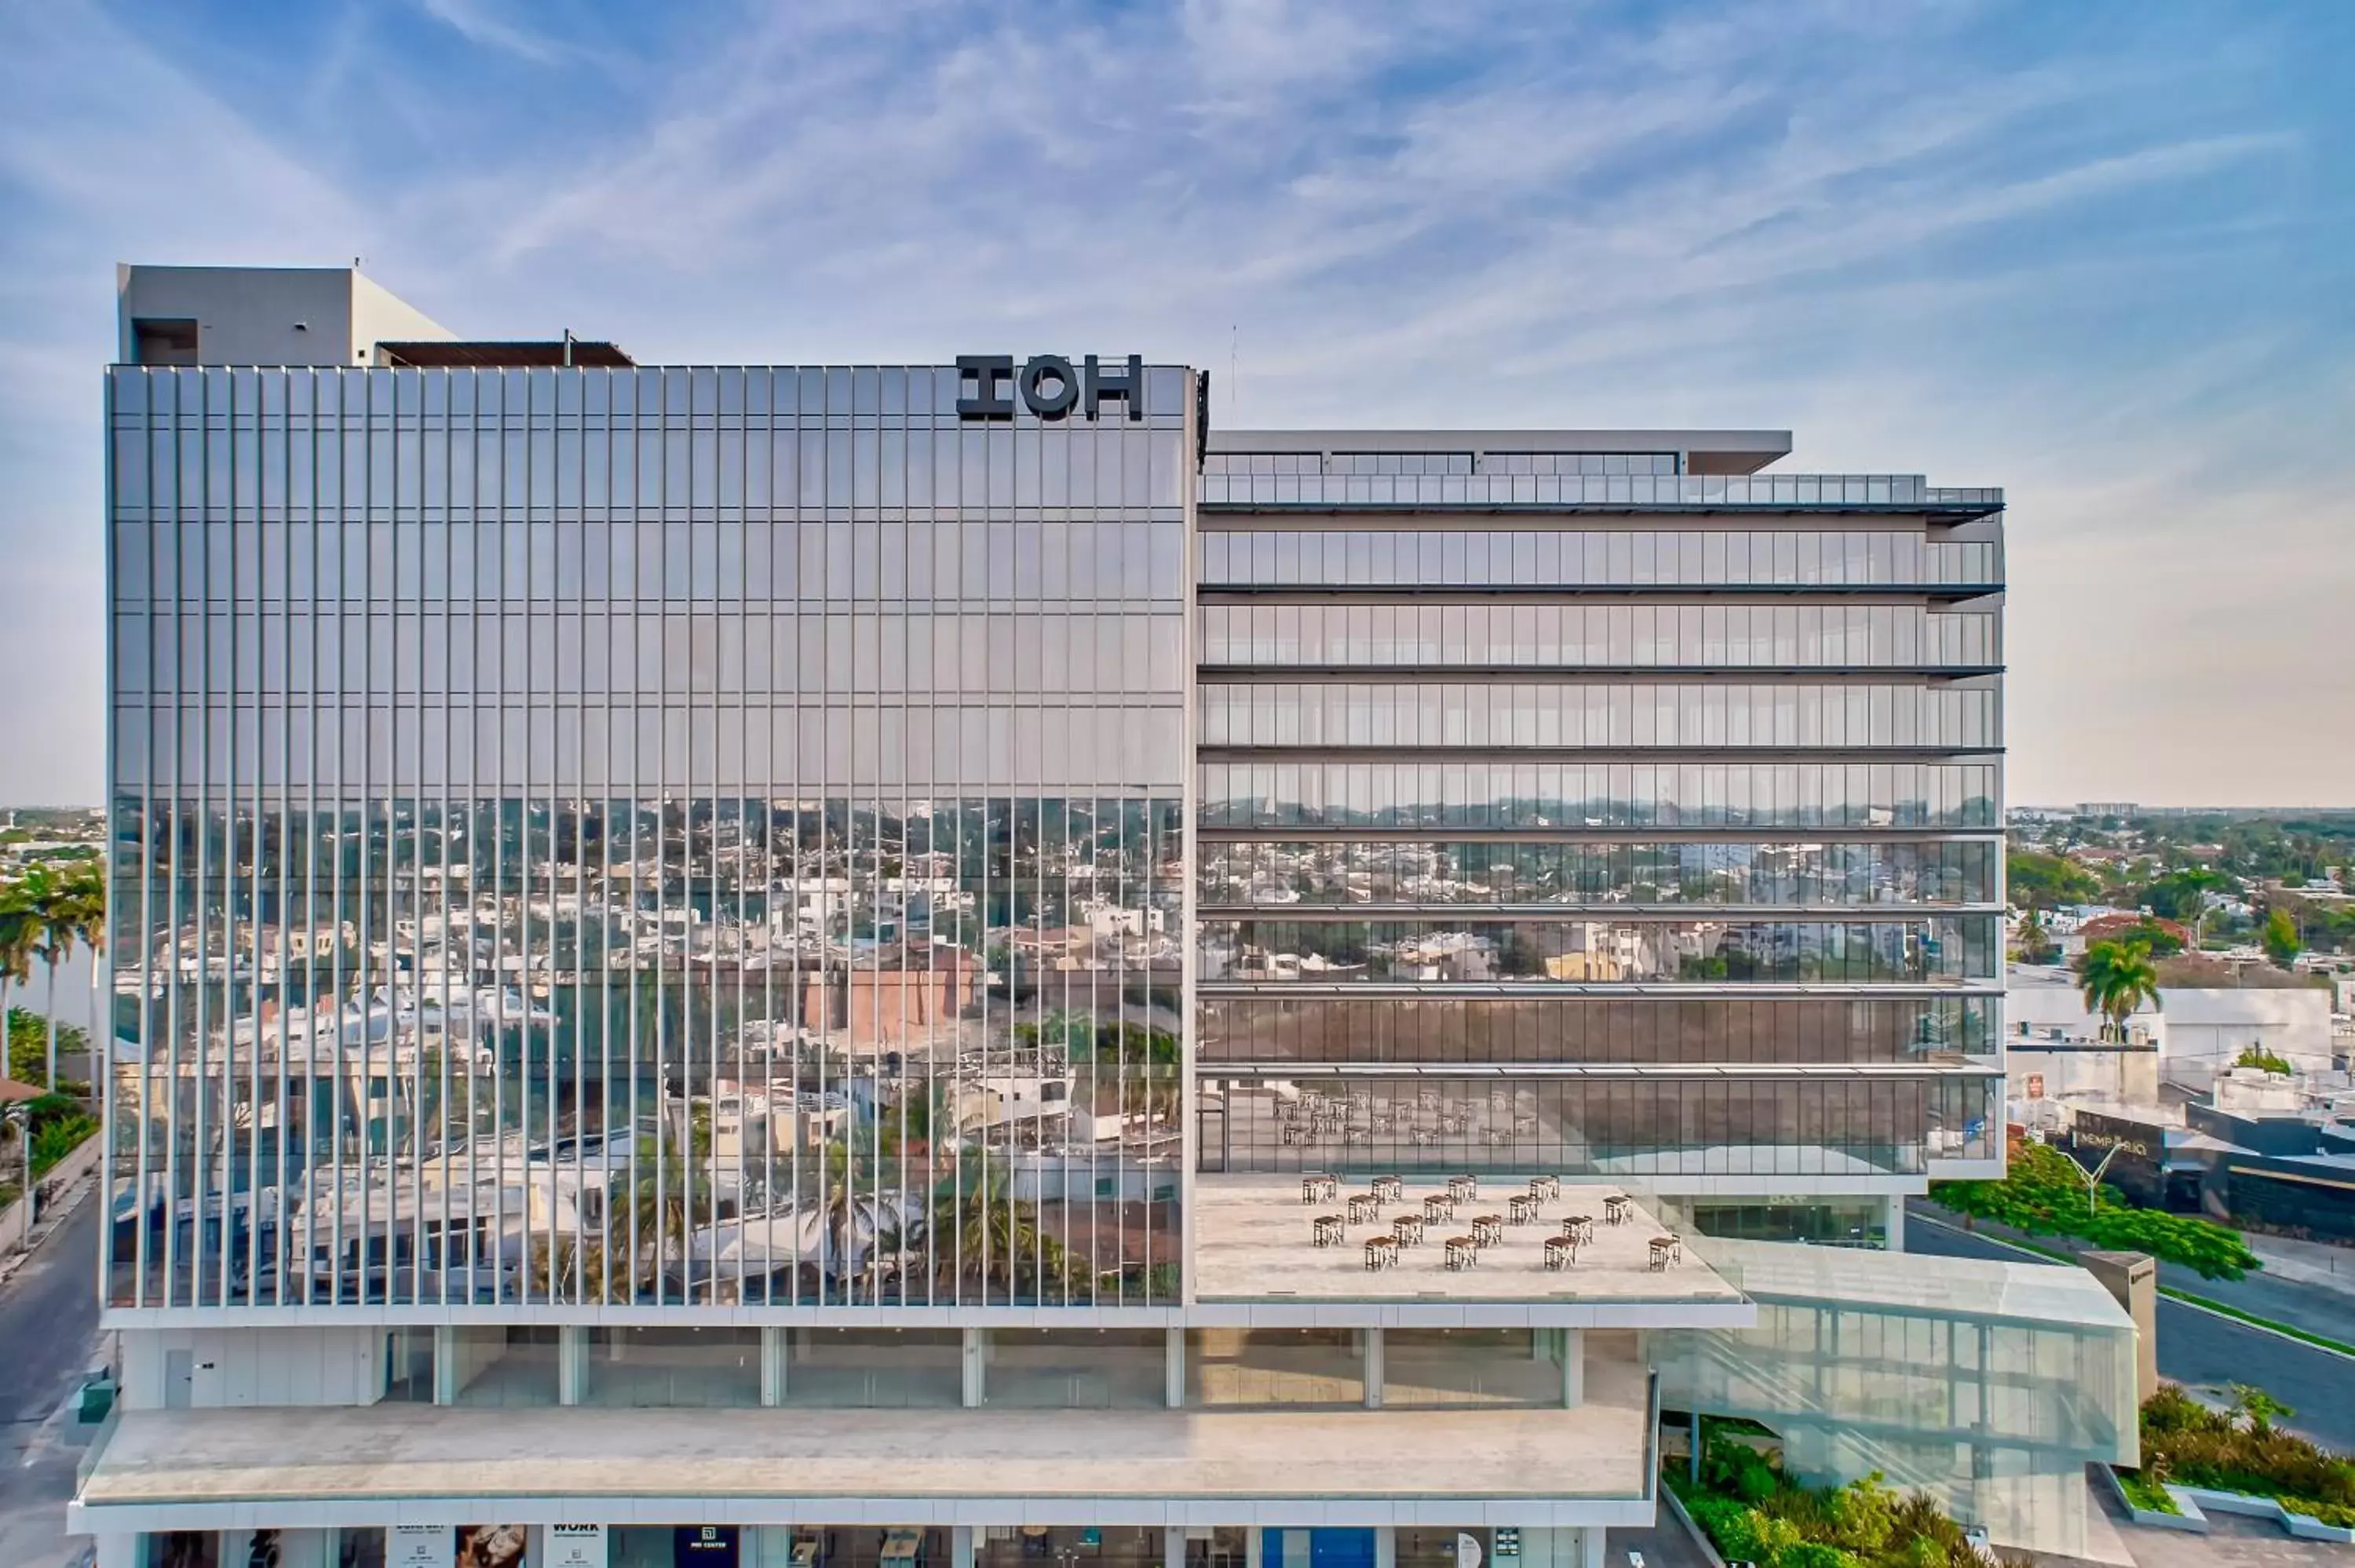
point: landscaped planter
(2190, 1519)
(2198, 1503)
(2297, 1524)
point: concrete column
(1573, 1368)
(2132, 1278)
(1892, 1222)
(445, 1363)
(775, 1347)
(1254, 1548)
(1373, 1368)
(1541, 1344)
(571, 1364)
(1173, 1546)
(960, 1539)
(118, 1549)
(1385, 1541)
(1590, 1547)
(976, 1368)
(1173, 1369)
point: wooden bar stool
(1387, 1189)
(1662, 1253)
(1362, 1208)
(1487, 1230)
(1545, 1189)
(1463, 1253)
(1464, 1189)
(1407, 1230)
(1560, 1252)
(1317, 1189)
(1326, 1231)
(1520, 1208)
(1615, 1209)
(1437, 1207)
(1381, 1252)
(1578, 1228)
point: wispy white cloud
(1917, 234)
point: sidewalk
(58, 1209)
(2309, 1263)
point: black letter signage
(990, 372)
(1048, 385)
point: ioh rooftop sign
(987, 385)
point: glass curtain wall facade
(1575, 811)
(685, 835)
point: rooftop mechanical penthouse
(942, 965)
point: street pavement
(48, 1338)
(2205, 1350)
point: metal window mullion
(498, 823)
(200, 1153)
(258, 698)
(662, 814)
(746, 776)
(766, 775)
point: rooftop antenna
(567, 348)
(1234, 354)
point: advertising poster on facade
(494, 1545)
(576, 1546)
(419, 1546)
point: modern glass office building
(855, 966)
(1588, 801)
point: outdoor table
(1560, 1252)
(1615, 1209)
(1521, 1208)
(1326, 1231)
(1487, 1230)
(1439, 1206)
(1318, 1189)
(1463, 1253)
(1361, 1208)
(1387, 1189)
(1545, 1189)
(1381, 1252)
(1408, 1229)
(1663, 1251)
(1578, 1228)
(1462, 1189)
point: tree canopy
(2039, 881)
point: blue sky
(2097, 253)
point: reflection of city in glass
(680, 835)
(1534, 833)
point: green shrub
(1777, 1523)
(2145, 1493)
(2044, 1194)
(2188, 1444)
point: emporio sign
(1048, 385)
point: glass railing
(1894, 490)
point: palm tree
(2033, 936)
(983, 1235)
(2117, 979)
(573, 1273)
(71, 913)
(669, 1190)
(19, 930)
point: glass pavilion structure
(846, 965)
